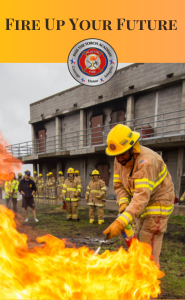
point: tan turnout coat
(145, 184)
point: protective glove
(76, 193)
(98, 197)
(122, 207)
(114, 229)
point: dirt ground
(52, 220)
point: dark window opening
(131, 87)
(170, 75)
(104, 173)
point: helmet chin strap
(131, 156)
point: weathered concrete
(130, 110)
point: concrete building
(69, 129)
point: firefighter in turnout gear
(95, 197)
(19, 177)
(40, 186)
(143, 186)
(35, 179)
(182, 198)
(78, 177)
(11, 190)
(70, 193)
(60, 184)
(52, 186)
(47, 187)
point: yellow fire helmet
(95, 172)
(40, 175)
(60, 173)
(47, 174)
(35, 172)
(70, 171)
(121, 139)
(77, 172)
(19, 174)
(50, 173)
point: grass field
(53, 221)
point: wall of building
(137, 75)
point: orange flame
(93, 57)
(55, 272)
(8, 163)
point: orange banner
(46, 31)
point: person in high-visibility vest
(143, 186)
(11, 190)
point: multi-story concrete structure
(69, 129)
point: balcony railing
(156, 126)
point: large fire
(53, 271)
(8, 163)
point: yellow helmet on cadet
(121, 139)
(35, 172)
(50, 173)
(19, 174)
(60, 173)
(70, 171)
(77, 172)
(47, 174)
(40, 175)
(95, 172)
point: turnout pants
(60, 192)
(47, 193)
(40, 193)
(100, 210)
(151, 231)
(72, 209)
(52, 193)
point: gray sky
(22, 84)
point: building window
(117, 117)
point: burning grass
(54, 271)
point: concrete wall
(70, 124)
(139, 75)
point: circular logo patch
(112, 147)
(92, 62)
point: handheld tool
(101, 244)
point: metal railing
(155, 126)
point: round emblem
(92, 62)
(112, 147)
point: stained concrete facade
(142, 91)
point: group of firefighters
(144, 188)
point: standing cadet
(96, 191)
(47, 187)
(11, 189)
(60, 184)
(40, 186)
(78, 177)
(70, 193)
(35, 179)
(144, 188)
(19, 177)
(52, 186)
